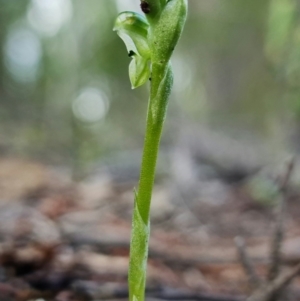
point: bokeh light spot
(23, 53)
(91, 105)
(48, 16)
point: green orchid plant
(150, 40)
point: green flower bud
(165, 34)
(133, 30)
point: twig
(275, 287)
(246, 262)
(279, 224)
(285, 180)
(277, 281)
(276, 245)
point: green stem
(161, 84)
(159, 95)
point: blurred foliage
(65, 95)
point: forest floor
(64, 241)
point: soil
(63, 240)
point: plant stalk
(159, 96)
(161, 83)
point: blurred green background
(65, 96)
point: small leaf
(138, 254)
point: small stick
(246, 262)
(285, 180)
(276, 286)
(278, 235)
